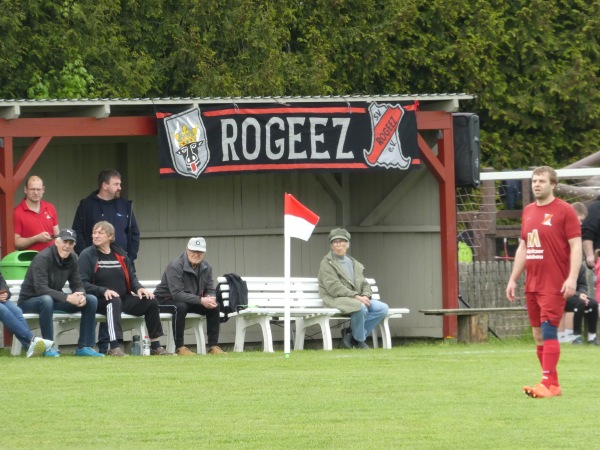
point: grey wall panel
(241, 217)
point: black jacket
(180, 282)
(88, 266)
(4, 286)
(118, 212)
(590, 228)
(48, 274)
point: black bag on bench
(238, 295)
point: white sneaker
(568, 339)
(36, 348)
(48, 343)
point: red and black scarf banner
(226, 139)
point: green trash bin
(14, 265)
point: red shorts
(542, 307)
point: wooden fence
(483, 285)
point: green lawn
(428, 396)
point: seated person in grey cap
(342, 285)
(187, 286)
(42, 292)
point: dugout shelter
(403, 222)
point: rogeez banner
(226, 139)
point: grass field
(417, 396)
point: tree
(533, 64)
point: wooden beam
(29, 158)
(431, 160)
(7, 195)
(339, 193)
(78, 126)
(390, 201)
(434, 120)
(447, 192)
(10, 112)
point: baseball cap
(66, 234)
(197, 244)
(339, 233)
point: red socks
(549, 359)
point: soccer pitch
(417, 396)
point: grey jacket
(47, 275)
(337, 289)
(182, 283)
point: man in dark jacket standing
(187, 285)
(107, 204)
(42, 291)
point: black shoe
(595, 341)
(347, 339)
(361, 345)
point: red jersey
(546, 231)
(29, 223)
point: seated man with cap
(342, 285)
(42, 292)
(187, 286)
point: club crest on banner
(386, 150)
(187, 141)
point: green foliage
(533, 64)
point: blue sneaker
(87, 351)
(36, 348)
(52, 353)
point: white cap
(197, 244)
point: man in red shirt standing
(36, 221)
(550, 251)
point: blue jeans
(366, 319)
(12, 318)
(44, 305)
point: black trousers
(111, 330)
(181, 309)
(577, 306)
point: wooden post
(473, 327)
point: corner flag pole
(286, 309)
(299, 222)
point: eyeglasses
(338, 242)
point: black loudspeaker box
(467, 150)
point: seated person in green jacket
(342, 285)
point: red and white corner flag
(299, 221)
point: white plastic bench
(64, 322)
(266, 302)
